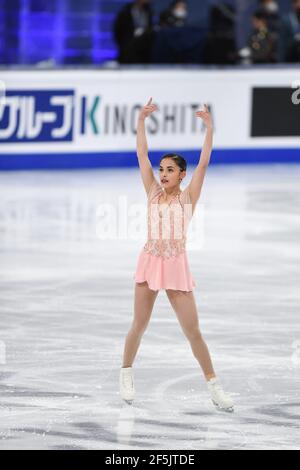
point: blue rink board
(129, 159)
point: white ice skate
(220, 399)
(127, 390)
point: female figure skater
(163, 263)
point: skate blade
(128, 401)
(227, 410)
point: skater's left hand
(205, 116)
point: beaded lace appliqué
(167, 234)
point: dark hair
(175, 2)
(260, 15)
(180, 161)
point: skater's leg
(185, 308)
(144, 299)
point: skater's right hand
(147, 110)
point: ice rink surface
(66, 300)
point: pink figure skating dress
(163, 261)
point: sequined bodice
(167, 223)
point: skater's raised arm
(142, 145)
(199, 173)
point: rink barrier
(129, 159)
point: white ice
(66, 300)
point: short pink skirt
(164, 273)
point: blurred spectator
(262, 42)
(132, 31)
(271, 10)
(175, 16)
(289, 48)
(175, 42)
(220, 47)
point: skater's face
(170, 173)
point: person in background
(262, 42)
(132, 31)
(175, 16)
(271, 10)
(177, 42)
(289, 43)
(220, 43)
